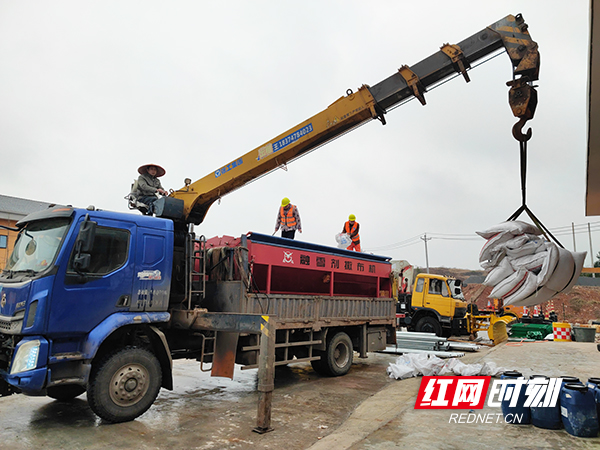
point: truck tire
(124, 384)
(338, 356)
(318, 365)
(65, 392)
(429, 325)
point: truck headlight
(26, 357)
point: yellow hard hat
(351, 217)
(285, 201)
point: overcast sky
(90, 90)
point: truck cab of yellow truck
(435, 305)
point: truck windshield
(37, 245)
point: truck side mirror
(85, 238)
(81, 262)
(83, 245)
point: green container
(530, 330)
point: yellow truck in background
(436, 304)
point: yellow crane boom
(191, 203)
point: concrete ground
(363, 410)
(388, 420)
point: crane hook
(518, 133)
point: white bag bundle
(401, 371)
(525, 269)
(414, 364)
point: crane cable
(523, 168)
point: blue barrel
(567, 379)
(578, 410)
(518, 414)
(593, 382)
(546, 417)
(594, 385)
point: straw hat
(159, 170)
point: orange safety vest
(288, 218)
(352, 231)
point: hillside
(581, 305)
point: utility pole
(425, 239)
(573, 229)
(591, 251)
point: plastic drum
(578, 410)
(546, 417)
(594, 385)
(518, 414)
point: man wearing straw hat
(148, 185)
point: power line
(566, 230)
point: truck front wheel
(124, 384)
(429, 325)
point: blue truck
(102, 302)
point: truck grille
(11, 325)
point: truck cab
(74, 277)
(436, 305)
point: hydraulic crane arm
(191, 203)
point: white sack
(519, 241)
(571, 272)
(563, 278)
(509, 284)
(491, 369)
(563, 273)
(528, 287)
(529, 248)
(495, 259)
(539, 296)
(549, 264)
(503, 270)
(424, 363)
(538, 270)
(401, 371)
(343, 240)
(515, 227)
(493, 244)
(414, 364)
(529, 262)
(468, 370)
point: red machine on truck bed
(326, 302)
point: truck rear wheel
(337, 358)
(318, 364)
(124, 384)
(429, 325)
(66, 392)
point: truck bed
(301, 284)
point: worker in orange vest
(288, 218)
(351, 229)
